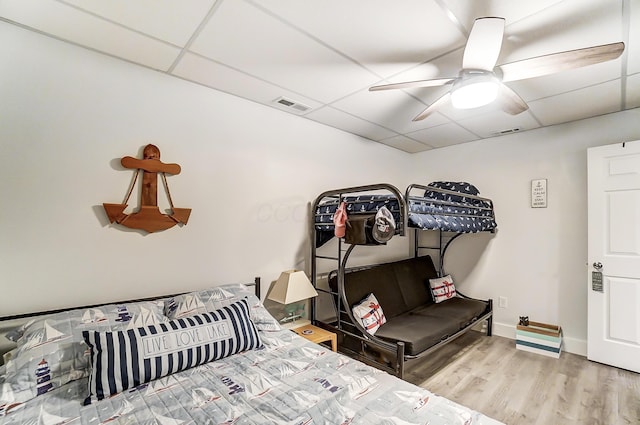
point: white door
(614, 255)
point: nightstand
(317, 335)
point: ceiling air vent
(292, 105)
(504, 132)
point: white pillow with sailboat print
(211, 299)
(51, 350)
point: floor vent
(292, 104)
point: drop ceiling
(323, 55)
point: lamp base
(295, 324)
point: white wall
(67, 115)
(537, 259)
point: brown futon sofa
(413, 318)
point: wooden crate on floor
(540, 338)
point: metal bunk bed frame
(348, 328)
(340, 326)
(443, 245)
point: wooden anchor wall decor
(148, 217)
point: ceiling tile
(588, 102)
(498, 123)
(633, 46)
(443, 135)
(406, 144)
(70, 24)
(347, 122)
(326, 54)
(246, 38)
(383, 43)
(633, 91)
(446, 66)
(392, 109)
(467, 11)
(168, 20)
(220, 77)
(566, 25)
(565, 81)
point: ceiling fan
(481, 82)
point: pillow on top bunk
(126, 359)
(461, 187)
(217, 297)
(442, 288)
(369, 314)
(51, 350)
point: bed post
(257, 283)
(490, 319)
(400, 361)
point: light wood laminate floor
(489, 375)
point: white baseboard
(571, 345)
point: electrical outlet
(502, 302)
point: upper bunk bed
(447, 206)
(360, 201)
(452, 208)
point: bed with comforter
(208, 357)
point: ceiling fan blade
(484, 44)
(414, 84)
(433, 107)
(510, 101)
(561, 61)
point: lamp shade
(292, 286)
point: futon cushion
(427, 325)
(399, 286)
(417, 333)
(413, 276)
(380, 281)
(460, 311)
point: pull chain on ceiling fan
(481, 82)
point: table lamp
(292, 287)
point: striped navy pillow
(128, 358)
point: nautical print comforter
(451, 212)
(435, 210)
(288, 381)
(356, 205)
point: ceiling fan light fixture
(473, 90)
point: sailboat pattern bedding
(284, 379)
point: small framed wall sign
(539, 193)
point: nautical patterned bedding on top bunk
(274, 377)
(355, 205)
(449, 207)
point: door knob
(597, 266)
